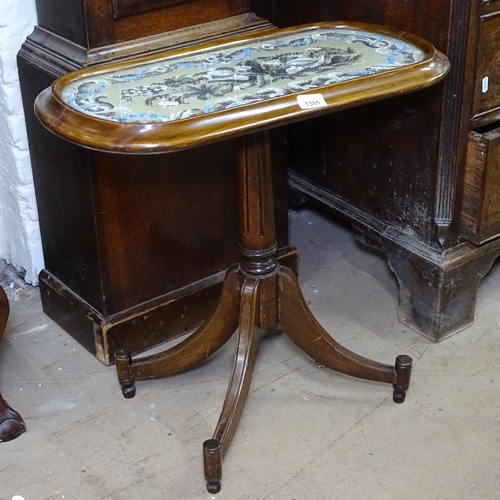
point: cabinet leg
(437, 296)
(438, 287)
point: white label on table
(311, 101)
(485, 84)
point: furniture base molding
(57, 55)
(437, 288)
(141, 327)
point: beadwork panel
(173, 88)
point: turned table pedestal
(242, 87)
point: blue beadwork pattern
(173, 88)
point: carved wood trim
(453, 136)
(56, 55)
(51, 53)
(104, 27)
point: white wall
(20, 243)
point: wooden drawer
(480, 218)
(487, 83)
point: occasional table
(242, 87)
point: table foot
(244, 362)
(123, 361)
(200, 345)
(302, 328)
(403, 372)
(212, 463)
(213, 487)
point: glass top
(182, 86)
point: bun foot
(129, 391)
(398, 396)
(403, 372)
(212, 462)
(123, 360)
(213, 487)
(11, 423)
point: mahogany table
(242, 87)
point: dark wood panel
(424, 18)
(165, 221)
(390, 175)
(64, 198)
(97, 23)
(122, 8)
(69, 22)
(104, 29)
(387, 175)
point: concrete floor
(306, 433)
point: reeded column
(257, 227)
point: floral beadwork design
(173, 88)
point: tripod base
(257, 295)
(251, 304)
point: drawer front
(480, 218)
(487, 84)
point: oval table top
(204, 93)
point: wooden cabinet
(480, 215)
(135, 247)
(417, 176)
